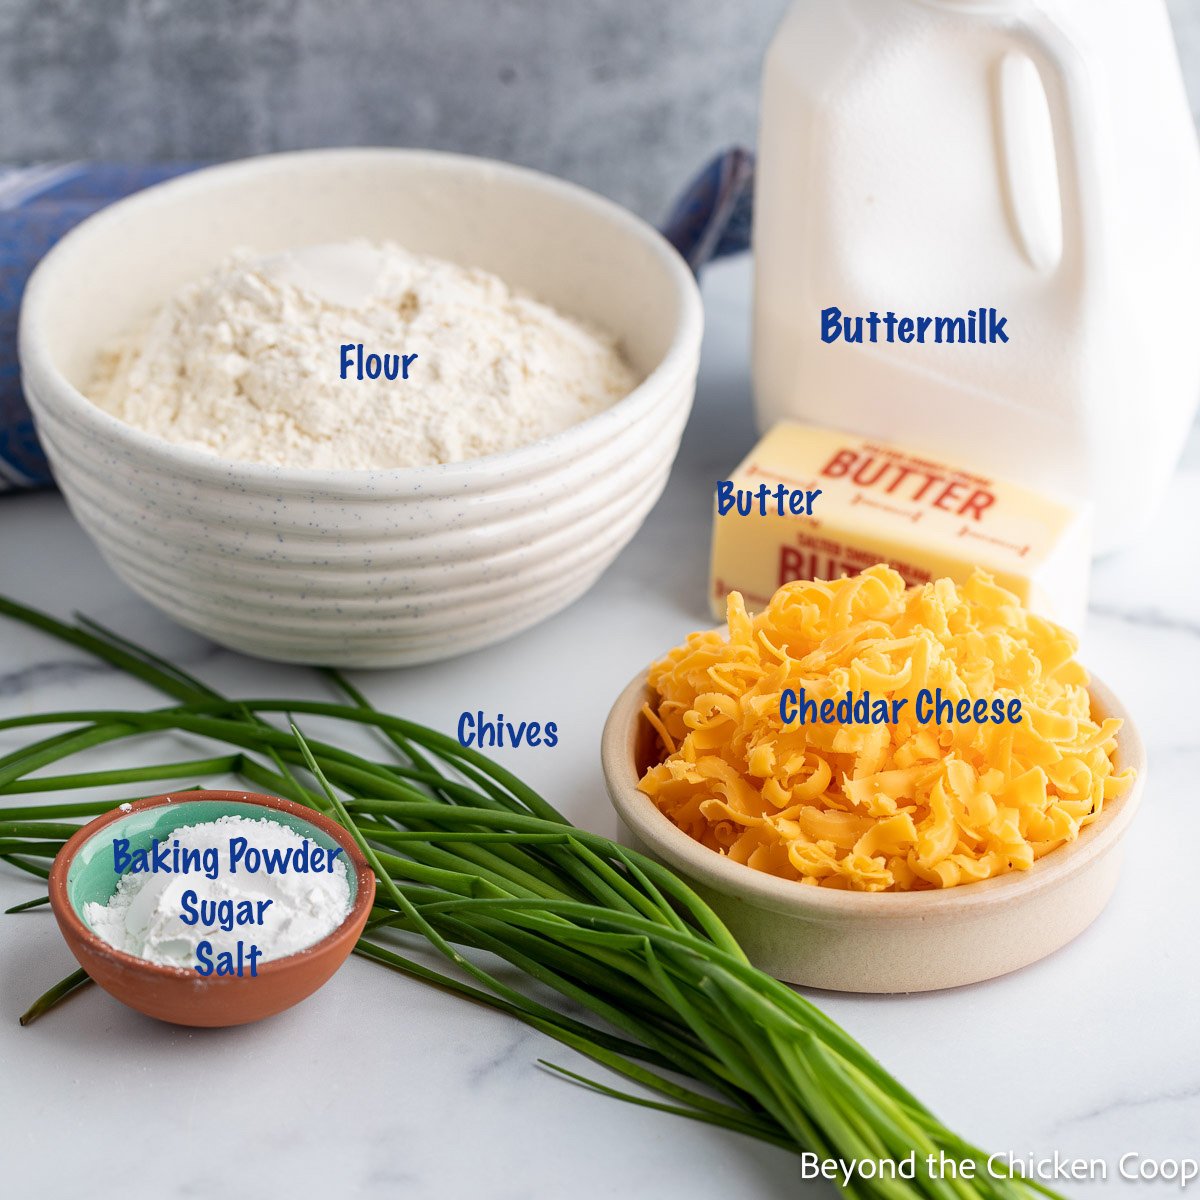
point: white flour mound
(246, 362)
(144, 916)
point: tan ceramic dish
(883, 942)
(182, 996)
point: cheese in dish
(896, 805)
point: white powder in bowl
(247, 362)
(144, 917)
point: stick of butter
(812, 503)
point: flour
(246, 362)
(144, 916)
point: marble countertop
(379, 1086)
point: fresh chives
(470, 859)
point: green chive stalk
(472, 862)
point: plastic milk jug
(1012, 188)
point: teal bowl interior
(91, 877)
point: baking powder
(144, 916)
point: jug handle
(1065, 81)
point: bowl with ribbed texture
(363, 567)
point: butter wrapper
(883, 502)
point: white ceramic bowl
(363, 568)
(883, 942)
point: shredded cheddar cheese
(891, 806)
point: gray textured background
(626, 96)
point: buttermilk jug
(1027, 168)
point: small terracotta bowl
(83, 872)
(884, 941)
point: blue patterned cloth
(712, 217)
(39, 204)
